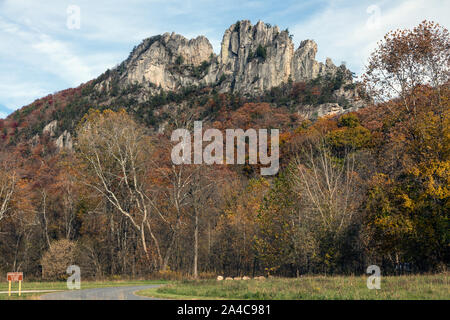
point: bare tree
(44, 195)
(188, 189)
(327, 187)
(173, 194)
(115, 150)
(173, 197)
(201, 192)
(8, 181)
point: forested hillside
(86, 175)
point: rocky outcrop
(325, 109)
(166, 62)
(157, 64)
(65, 142)
(253, 58)
(256, 58)
(304, 64)
(50, 128)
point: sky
(50, 45)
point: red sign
(15, 276)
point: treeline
(364, 188)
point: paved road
(113, 293)
(29, 291)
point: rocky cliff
(154, 60)
(257, 58)
(253, 58)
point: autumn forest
(367, 187)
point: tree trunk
(144, 244)
(196, 246)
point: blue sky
(40, 55)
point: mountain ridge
(255, 62)
(252, 59)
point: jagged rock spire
(253, 58)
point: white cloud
(42, 50)
(61, 60)
(17, 92)
(345, 31)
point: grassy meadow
(434, 287)
(411, 287)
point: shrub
(349, 138)
(237, 26)
(349, 120)
(261, 52)
(55, 261)
(179, 61)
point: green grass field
(63, 286)
(305, 288)
(434, 287)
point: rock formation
(154, 60)
(256, 58)
(50, 128)
(63, 142)
(253, 58)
